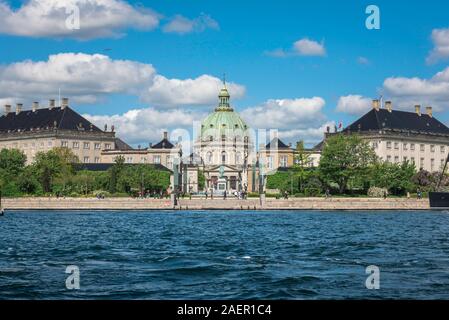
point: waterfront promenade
(215, 204)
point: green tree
(397, 178)
(301, 164)
(56, 163)
(12, 161)
(115, 172)
(345, 157)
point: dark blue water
(230, 255)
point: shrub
(376, 192)
(312, 192)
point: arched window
(238, 158)
(209, 158)
(223, 157)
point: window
(143, 160)
(405, 146)
(238, 158)
(442, 149)
(86, 145)
(412, 159)
(388, 144)
(169, 160)
(50, 143)
(405, 159)
(97, 160)
(375, 145)
(432, 165)
(64, 144)
(422, 147)
(270, 162)
(396, 145)
(86, 159)
(209, 158)
(284, 161)
(97, 146)
(421, 163)
(432, 148)
(107, 146)
(388, 158)
(396, 159)
(412, 146)
(129, 160)
(75, 145)
(223, 157)
(157, 160)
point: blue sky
(240, 43)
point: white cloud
(182, 25)
(202, 90)
(83, 77)
(354, 104)
(285, 113)
(440, 39)
(142, 126)
(302, 47)
(310, 136)
(306, 47)
(407, 92)
(98, 18)
(88, 78)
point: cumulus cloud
(98, 18)
(306, 47)
(182, 25)
(202, 90)
(409, 91)
(440, 39)
(80, 76)
(142, 126)
(310, 136)
(303, 47)
(353, 104)
(87, 78)
(295, 119)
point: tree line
(57, 172)
(349, 166)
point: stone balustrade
(215, 204)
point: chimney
(19, 108)
(7, 108)
(165, 135)
(65, 103)
(376, 104)
(429, 111)
(418, 109)
(35, 106)
(51, 104)
(388, 106)
(105, 128)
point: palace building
(224, 148)
(399, 136)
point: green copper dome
(224, 121)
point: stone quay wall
(215, 204)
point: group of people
(241, 195)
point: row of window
(406, 146)
(156, 160)
(87, 160)
(396, 159)
(86, 145)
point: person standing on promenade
(225, 194)
(206, 194)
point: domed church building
(225, 148)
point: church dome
(224, 121)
